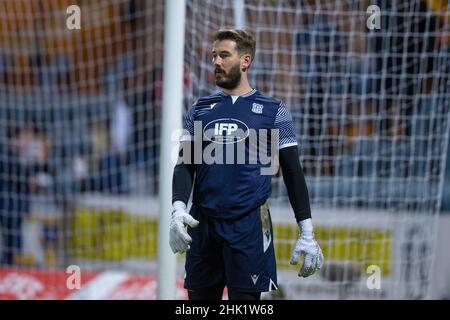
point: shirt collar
(244, 95)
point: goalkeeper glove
(179, 239)
(307, 246)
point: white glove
(308, 246)
(179, 239)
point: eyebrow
(223, 51)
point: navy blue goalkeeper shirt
(229, 182)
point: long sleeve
(295, 182)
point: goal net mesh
(368, 92)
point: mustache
(218, 70)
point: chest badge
(257, 108)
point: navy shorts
(238, 253)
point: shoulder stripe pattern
(284, 123)
(188, 125)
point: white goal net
(80, 109)
(369, 94)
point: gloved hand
(179, 239)
(307, 246)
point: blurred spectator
(121, 127)
(5, 65)
(111, 173)
(314, 42)
(404, 69)
(99, 140)
(113, 162)
(22, 171)
(85, 168)
(110, 147)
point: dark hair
(245, 42)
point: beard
(228, 80)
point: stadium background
(371, 107)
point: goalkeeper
(227, 235)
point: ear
(246, 60)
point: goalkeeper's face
(227, 64)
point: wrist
(306, 228)
(178, 206)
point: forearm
(183, 174)
(182, 181)
(295, 183)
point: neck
(243, 88)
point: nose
(217, 61)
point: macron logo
(254, 278)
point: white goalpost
(170, 123)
